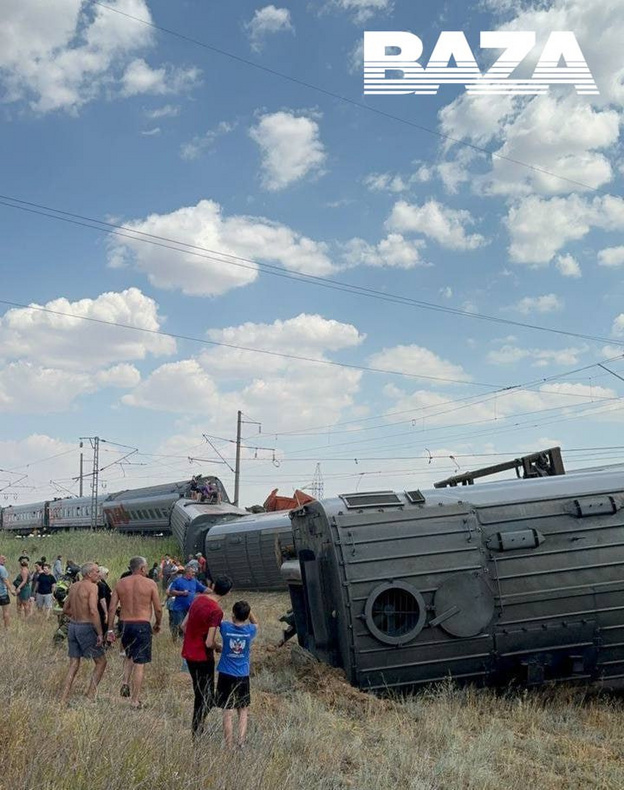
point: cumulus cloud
(204, 142)
(362, 10)
(434, 410)
(305, 335)
(393, 251)
(416, 360)
(288, 393)
(291, 148)
(68, 343)
(566, 134)
(199, 272)
(265, 22)
(548, 303)
(539, 228)
(61, 54)
(568, 266)
(612, 257)
(509, 354)
(139, 78)
(442, 224)
(26, 388)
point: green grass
(108, 548)
(309, 729)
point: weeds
(309, 730)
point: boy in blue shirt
(233, 692)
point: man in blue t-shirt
(233, 692)
(183, 590)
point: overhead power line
(353, 102)
(205, 342)
(229, 259)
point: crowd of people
(92, 617)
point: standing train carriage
(149, 510)
(509, 580)
(25, 519)
(143, 510)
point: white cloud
(617, 330)
(203, 142)
(612, 256)
(68, 343)
(287, 393)
(568, 266)
(267, 21)
(167, 111)
(416, 360)
(291, 148)
(362, 10)
(445, 225)
(386, 182)
(151, 132)
(199, 273)
(304, 336)
(509, 354)
(61, 54)
(560, 132)
(26, 388)
(394, 251)
(540, 228)
(177, 387)
(435, 412)
(140, 78)
(548, 303)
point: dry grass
(309, 729)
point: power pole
(81, 468)
(95, 476)
(239, 422)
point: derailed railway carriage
(512, 580)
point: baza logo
(391, 64)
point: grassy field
(308, 728)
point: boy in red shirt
(200, 627)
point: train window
(395, 613)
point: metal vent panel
(371, 499)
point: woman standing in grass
(23, 589)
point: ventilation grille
(371, 499)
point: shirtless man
(84, 638)
(138, 597)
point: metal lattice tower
(316, 486)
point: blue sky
(111, 119)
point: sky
(215, 218)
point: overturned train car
(512, 580)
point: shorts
(5, 600)
(232, 692)
(24, 594)
(44, 601)
(82, 641)
(136, 638)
